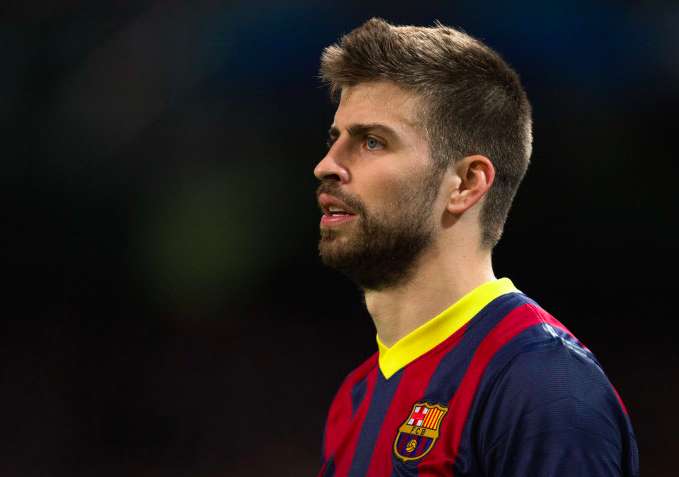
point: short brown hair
(473, 101)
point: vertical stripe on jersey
(540, 335)
(357, 394)
(517, 321)
(341, 407)
(328, 470)
(379, 405)
(346, 436)
(455, 364)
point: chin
(331, 252)
(336, 252)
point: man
(430, 140)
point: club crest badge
(419, 432)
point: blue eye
(372, 144)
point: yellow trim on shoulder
(439, 328)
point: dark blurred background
(166, 313)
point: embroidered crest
(419, 432)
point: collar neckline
(432, 333)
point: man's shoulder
(545, 366)
(545, 397)
(529, 328)
(541, 368)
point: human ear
(475, 174)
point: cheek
(393, 197)
(384, 192)
(383, 187)
(374, 187)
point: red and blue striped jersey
(493, 386)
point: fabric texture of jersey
(496, 386)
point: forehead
(378, 102)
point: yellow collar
(438, 329)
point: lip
(326, 201)
(328, 219)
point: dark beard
(382, 251)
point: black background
(166, 312)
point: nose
(331, 168)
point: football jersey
(492, 386)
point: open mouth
(335, 216)
(334, 211)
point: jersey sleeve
(553, 412)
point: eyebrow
(362, 129)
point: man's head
(446, 97)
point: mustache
(334, 189)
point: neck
(438, 281)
